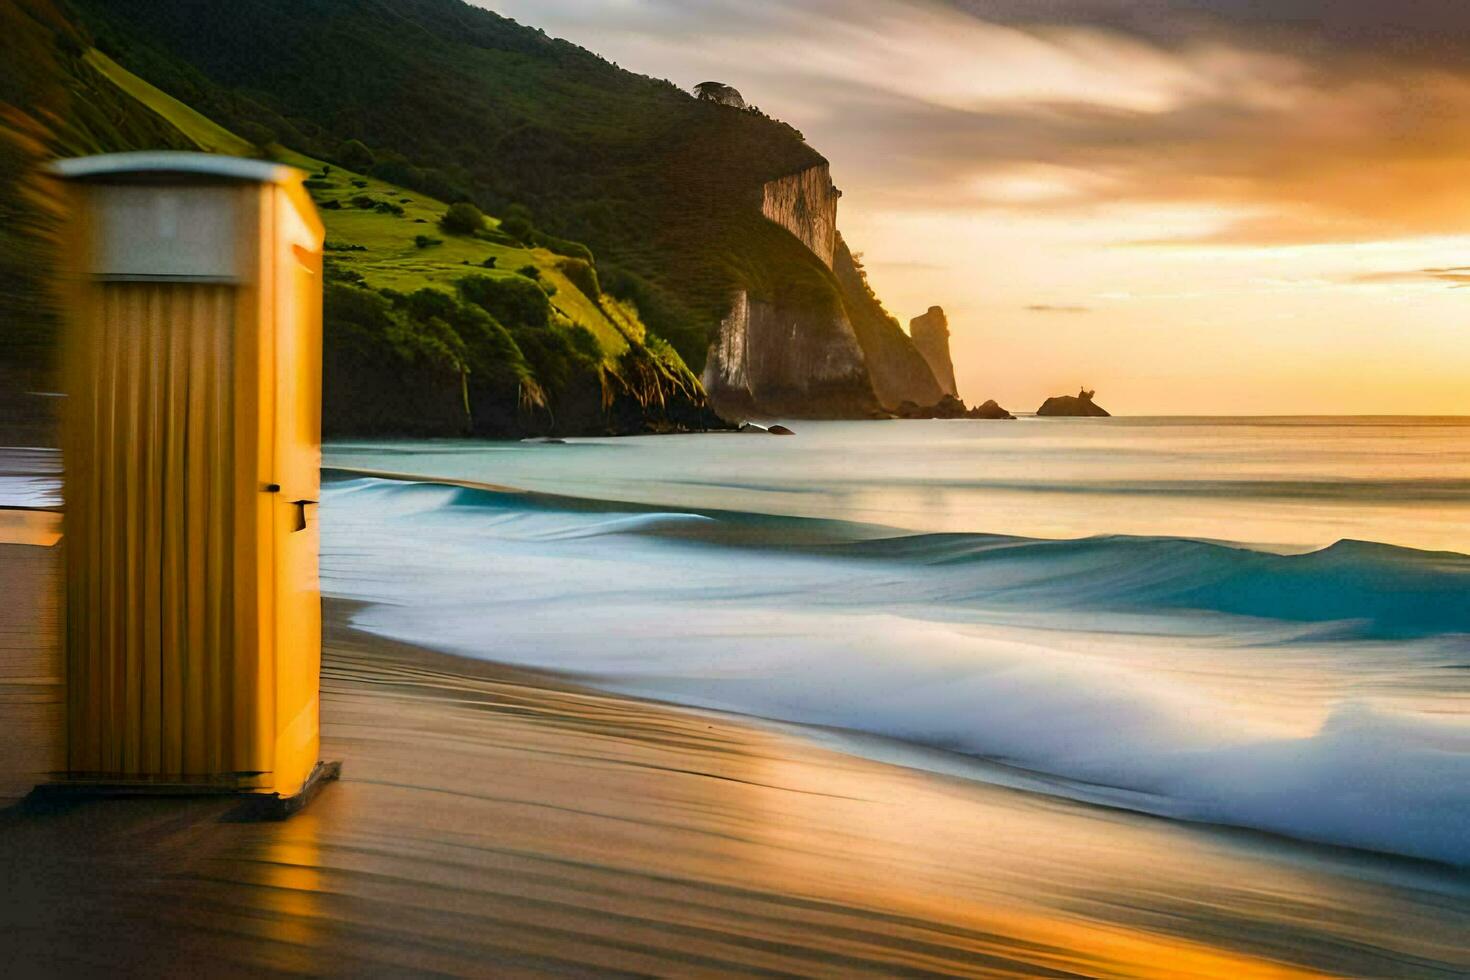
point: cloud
(1297, 121)
(1048, 308)
(1418, 31)
(1456, 277)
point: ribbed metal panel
(150, 502)
(32, 675)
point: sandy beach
(878, 488)
(499, 821)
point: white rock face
(805, 204)
(727, 368)
(773, 361)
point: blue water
(1308, 677)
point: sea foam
(1311, 695)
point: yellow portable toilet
(192, 451)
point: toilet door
(150, 496)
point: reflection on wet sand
(494, 821)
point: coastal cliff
(826, 351)
(773, 359)
(805, 204)
(930, 334)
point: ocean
(1262, 623)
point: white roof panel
(173, 161)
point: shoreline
(930, 760)
(495, 819)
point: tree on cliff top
(721, 93)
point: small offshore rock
(1068, 406)
(950, 407)
(990, 409)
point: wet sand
(502, 822)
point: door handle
(300, 506)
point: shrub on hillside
(554, 358)
(519, 229)
(581, 274)
(462, 219)
(584, 343)
(354, 155)
(660, 312)
(424, 241)
(385, 370)
(562, 246)
(392, 168)
(530, 272)
(494, 360)
(334, 272)
(513, 301)
(517, 225)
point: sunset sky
(1194, 206)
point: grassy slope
(202, 131)
(392, 259)
(663, 188)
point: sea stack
(930, 334)
(1080, 405)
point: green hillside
(459, 103)
(204, 133)
(428, 331)
(379, 244)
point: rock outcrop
(1080, 405)
(719, 93)
(950, 407)
(787, 360)
(898, 371)
(989, 409)
(930, 334)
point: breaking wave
(1318, 695)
